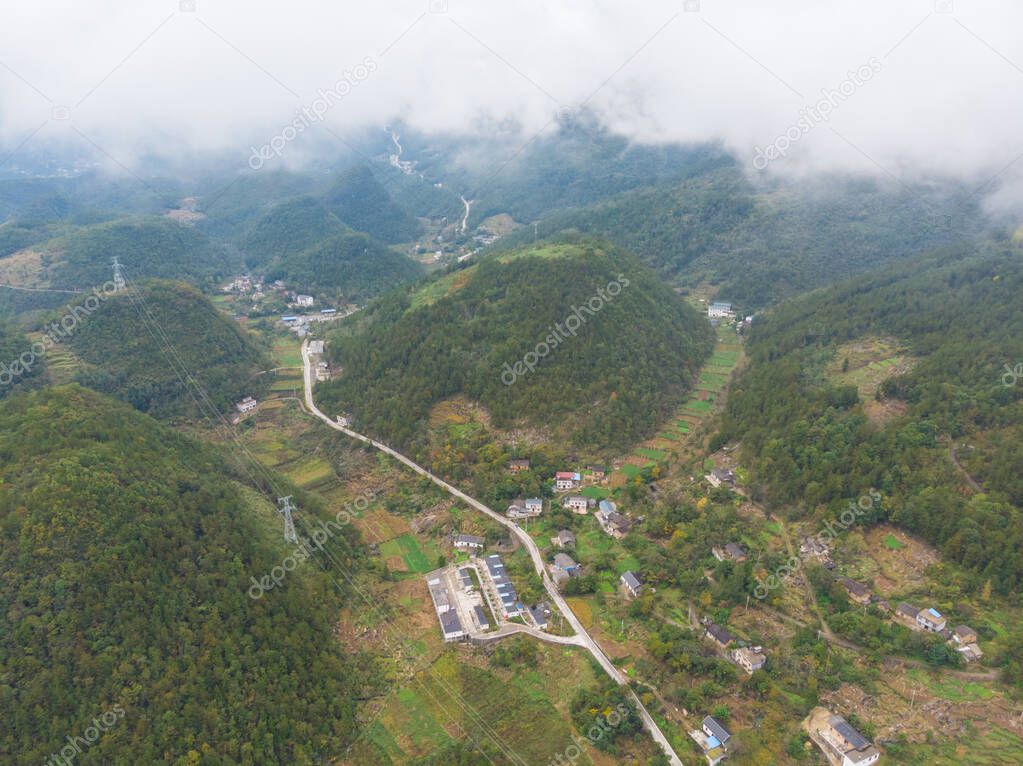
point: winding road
(584, 639)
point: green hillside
(350, 264)
(288, 229)
(761, 245)
(626, 366)
(126, 360)
(359, 200)
(813, 438)
(126, 556)
(147, 247)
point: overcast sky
(944, 95)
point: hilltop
(600, 377)
(302, 243)
(127, 555)
(124, 345)
(360, 201)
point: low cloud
(127, 80)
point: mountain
(19, 365)
(147, 247)
(302, 243)
(361, 202)
(351, 265)
(124, 345)
(128, 551)
(288, 229)
(875, 383)
(610, 347)
(760, 245)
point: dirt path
(953, 455)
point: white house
(576, 504)
(719, 310)
(749, 659)
(631, 584)
(931, 620)
(304, 300)
(567, 480)
(469, 542)
(246, 404)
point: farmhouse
(246, 404)
(479, 614)
(930, 620)
(840, 742)
(719, 635)
(907, 614)
(506, 594)
(564, 539)
(631, 584)
(541, 614)
(451, 626)
(720, 476)
(712, 738)
(524, 509)
(469, 542)
(598, 472)
(858, 592)
(304, 300)
(731, 552)
(964, 634)
(566, 480)
(576, 503)
(613, 523)
(749, 659)
(811, 546)
(567, 564)
(518, 465)
(718, 310)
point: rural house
(518, 465)
(566, 480)
(749, 659)
(631, 584)
(564, 539)
(858, 592)
(576, 503)
(719, 635)
(469, 542)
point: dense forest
(304, 244)
(808, 434)
(147, 247)
(288, 229)
(610, 380)
(19, 365)
(763, 245)
(127, 553)
(358, 199)
(126, 341)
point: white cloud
(948, 98)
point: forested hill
(814, 434)
(763, 245)
(128, 357)
(302, 243)
(359, 200)
(127, 552)
(465, 332)
(147, 247)
(289, 228)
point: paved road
(534, 552)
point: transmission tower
(289, 523)
(119, 283)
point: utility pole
(120, 285)
(289, 523)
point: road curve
(534, 552)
